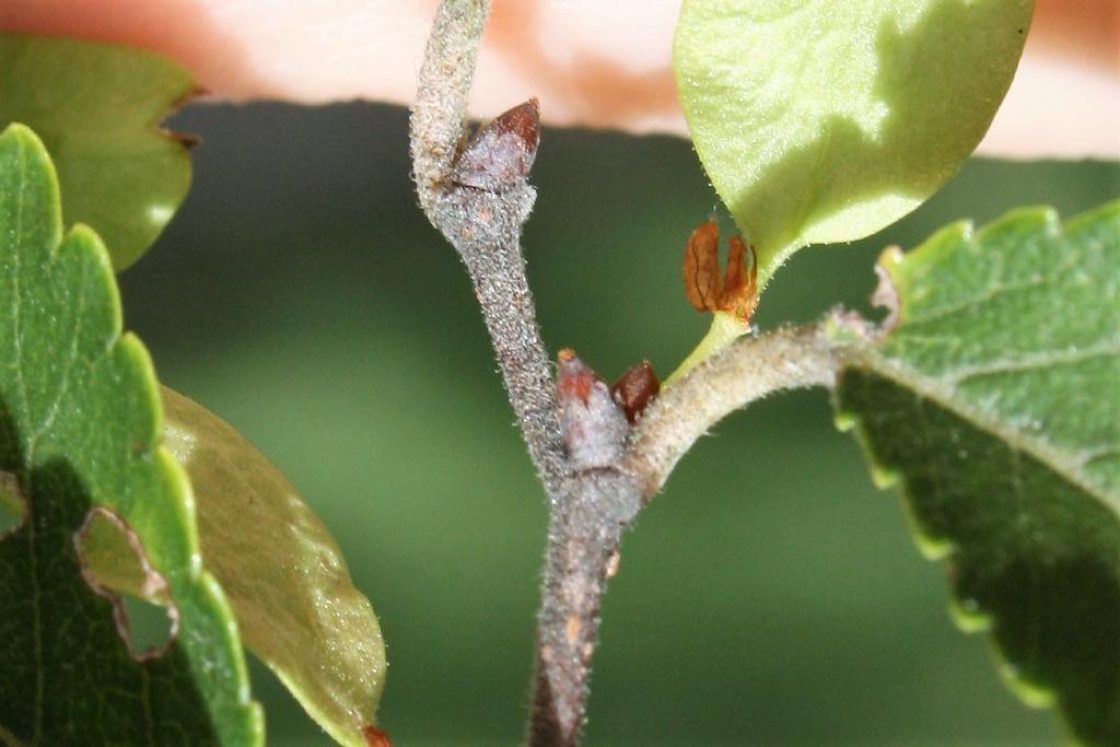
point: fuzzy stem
(583, 552)
(438, 117)
(746, 370)
(724, 330)
(484, 226)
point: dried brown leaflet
(736, 292)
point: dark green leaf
(97, 107)
(80, 430)
(995, 401)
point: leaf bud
(593, 426)
(635, 389)
(502, 151)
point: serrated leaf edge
(125, 343)
(942, 392)
(945, 397)
(1032, 693)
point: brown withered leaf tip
(635, 389)
(737, 291)
(502, 151)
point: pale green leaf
(283, 573)
(995, 401)
(823, 121)
(98, 107)
(80, 435)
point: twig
(598, 473)
(615, 472)
(747, 370)
(585, 529)
(438, 117)
(478, 198)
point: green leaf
(97, 107)
(821, 121)
(80, 425)
(995, 401)
(284, 574)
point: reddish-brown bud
(576, 379)
(375, 737)
(502, 151)
(593, 426)
(635, 389)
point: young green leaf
(80, 427)
(995, 400)
(284, 575)
(822, 121)
(97, 107)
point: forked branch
(597, 469)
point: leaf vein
(941, 313)
(1031, 362)
(936, 390)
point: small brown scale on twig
(501, 152)
(635, 389)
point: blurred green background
(770, 595)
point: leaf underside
(284, 574)
(80, 426)
(97, 107)
(822, 122)
(995, 402)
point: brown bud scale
(737, 291)
(701, 267)
(635, 389)
(502, 151)
(592, 424)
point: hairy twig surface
(599, 502)
(747, 370)
(481, 212)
